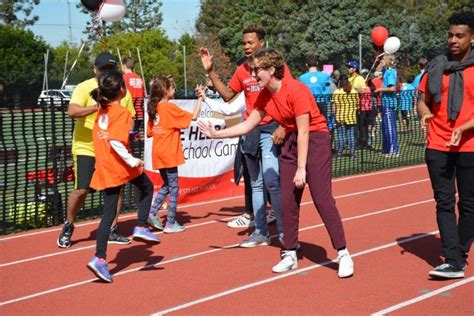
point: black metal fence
(37, 173)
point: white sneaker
(288, 262)
(271, 217)
(242, 221)
(346, 265)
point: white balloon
(112, 10)
(392, 44)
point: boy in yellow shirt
(83, 108)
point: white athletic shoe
(243, 221)
(288, 262)
(346, 265)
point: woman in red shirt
(305, 154)
(115, 166)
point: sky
(179, 17)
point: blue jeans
(345, 133)
(389, 131)
(265, 171)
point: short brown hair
(422, 62)
(270, 57)
(255, 28)
(128, 62)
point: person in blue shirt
(389, 105)
(421, 66)
(319, 84)
(407, 96)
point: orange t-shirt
(441, 128)
(293, 99)
(135, 86)
(242, 80)
(112, 123)
(167, 150)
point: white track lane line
(213, 201)
(206, 223)
(285, 275)
(423, 297)
(203, 253)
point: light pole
(184, 70)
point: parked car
(60, 98)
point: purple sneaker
(100, 269)
(145, 234)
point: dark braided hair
(158, 88)
(110, 85)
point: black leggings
(111, 195)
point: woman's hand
(208, 129)
(300, 178)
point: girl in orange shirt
(115, 166)
(165, 121)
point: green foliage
(331, 28)
(159, 55)
(21, 59)
(82, 69)
(10, 10)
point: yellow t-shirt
(357, 82)
(82, 143)
(346, 106)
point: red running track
(390, 227)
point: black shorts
(84, 167)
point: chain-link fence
(369, 132)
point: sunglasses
(256, 70)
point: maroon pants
(318, 178)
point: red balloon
(379, 35)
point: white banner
(204, 157)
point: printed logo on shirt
(103, 121)
(136, 83)
(313, 79)
(103, 134)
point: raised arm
(197, 109)
(206, 59)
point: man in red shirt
(446, 108)
(135, 86)
(261, 147)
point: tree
(11, 9)
(331, 28)
(82, 70)
(21, 60)
(140, 16)
(159, 55)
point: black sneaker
(447, 271)
(64, 239)
(116, 238)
